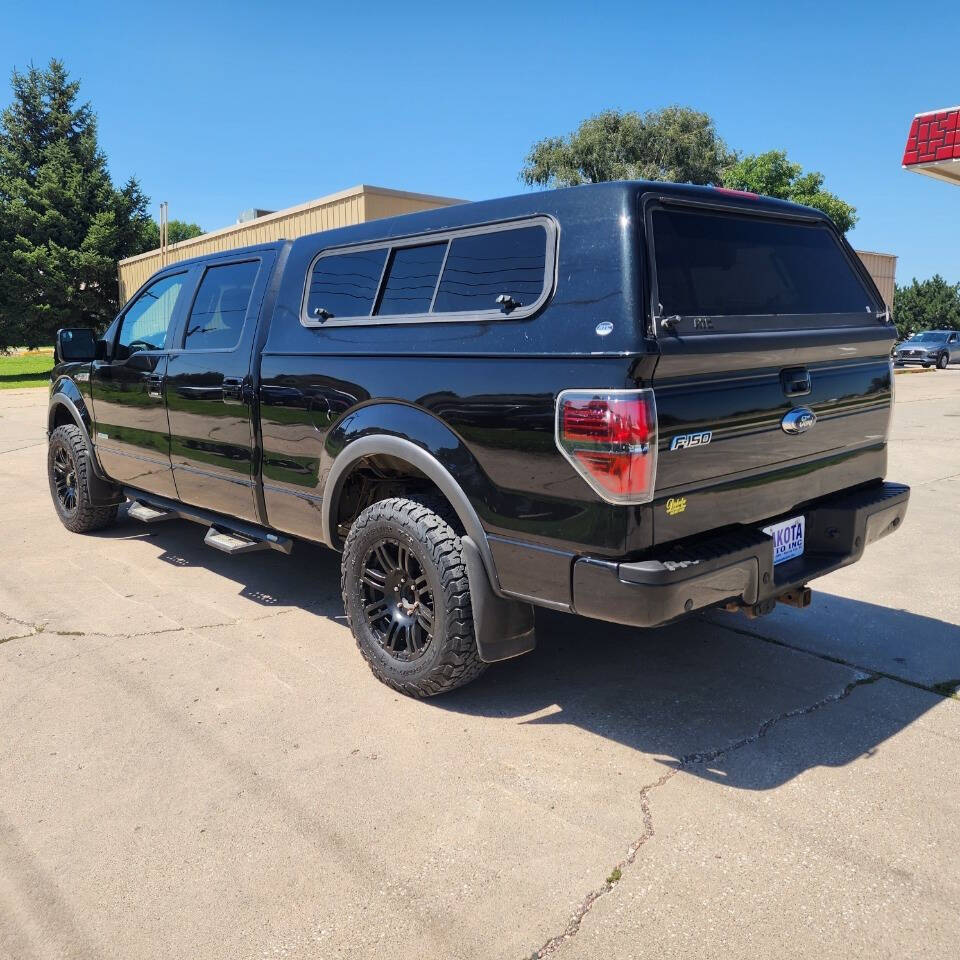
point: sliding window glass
(345, 284)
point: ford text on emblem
(799, 420)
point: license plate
(787, 539)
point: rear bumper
(737, 565)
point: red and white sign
(933, 146)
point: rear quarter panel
(480, 395)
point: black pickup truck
(627, 401)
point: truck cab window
(145, 324)
(220, 308)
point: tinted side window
(220, 307)
(411, 279)
(145, 324)
(345, 284)
(481, 267)
(723, 265)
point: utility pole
(163, 233)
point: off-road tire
(942, 361)
(450, 658)
(68, 445)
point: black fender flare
(503, 627)
(65, 393)
(424, 461)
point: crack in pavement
(38, 628)
(33, 628)
(953, 476)
(685, 762)
(29, 446)
(13, 619)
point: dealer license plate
(787, 539)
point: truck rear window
(719, 264)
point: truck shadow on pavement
(689, 694)
(693, 693)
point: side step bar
(227, 534)
(147, 514)
(233, 543)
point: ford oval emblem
(604, 328)
(799, 420)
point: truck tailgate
(774, 381)
(751, 468)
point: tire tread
(459, 662)
(87, 517)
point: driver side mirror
(78, 345)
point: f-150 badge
(685, 440)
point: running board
(233, 543)
(227, 534)
(147, 514)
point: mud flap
(102, 492)
(503, 628)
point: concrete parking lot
(196, 762)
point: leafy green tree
(930, 304)
(63, 223)
(177, 230)
(773, 175)
(676, 143)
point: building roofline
(361, 189)
(930, 113)
(937, 169)
(877, 253)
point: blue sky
(220, 106)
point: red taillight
(610, 437)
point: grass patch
(27, 369)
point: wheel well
(61, 416)
(378, 477)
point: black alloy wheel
(65, 480)
(397, 600)
(406, 595)
(68, 472)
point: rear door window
(220, 306)
(719, 264)
(483, 266)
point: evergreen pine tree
(63, 224)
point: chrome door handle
(155, 386)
